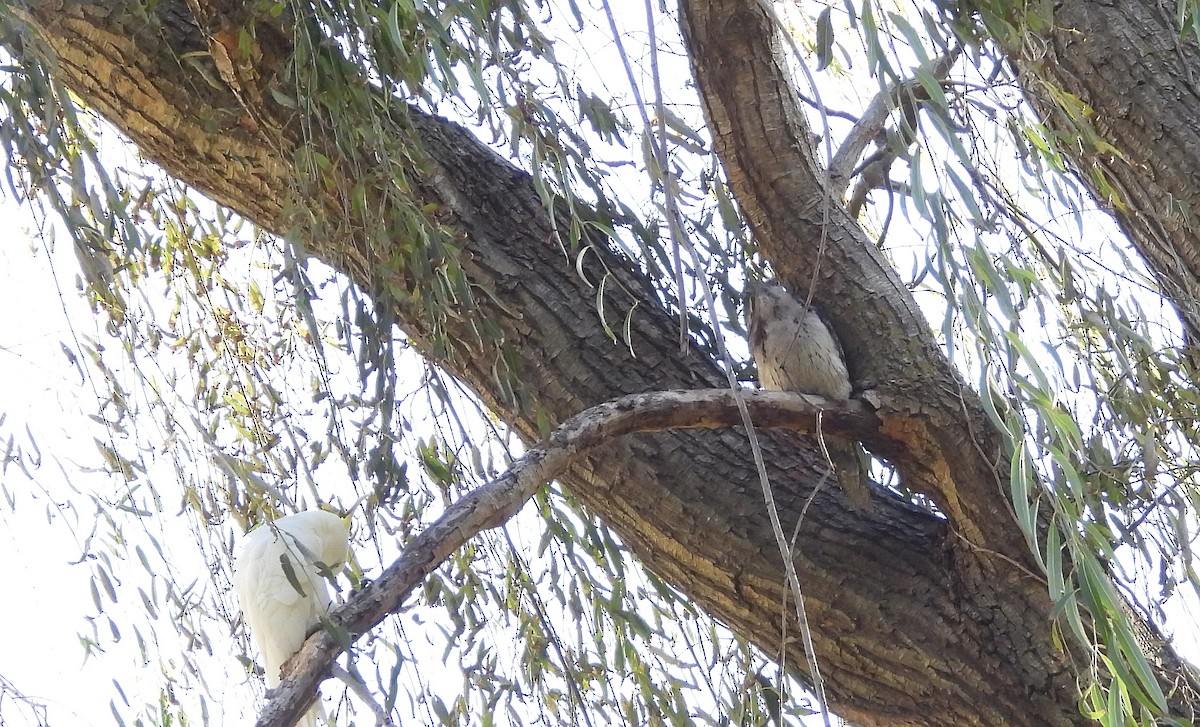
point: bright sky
(46, 403)
(47, 406)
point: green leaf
(289, 572)
(824, 40)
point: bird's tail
(850, 464)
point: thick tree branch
(813, 243)
(1131, 76)
(911, 626)
(804, 230)
(493, 504)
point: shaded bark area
(916, 620)
(1140, 77)
(814, 246)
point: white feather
(278, 614)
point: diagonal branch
(741, 70)
(870, 126)
(493, 504)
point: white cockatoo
(281, 604)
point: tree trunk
(916, 620)
(1129, 63)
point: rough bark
(916, 620)
(1130, 64)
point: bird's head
(762, 298)
(329, 533)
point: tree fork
(913, 625)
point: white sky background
(40, 390)
(45, 400)
(42, 395)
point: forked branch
(869, 128)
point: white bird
(281, 604)
(795, 351)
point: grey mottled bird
(795, 351)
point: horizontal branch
(494, 503)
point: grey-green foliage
(236, 378)
(1075, 354)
